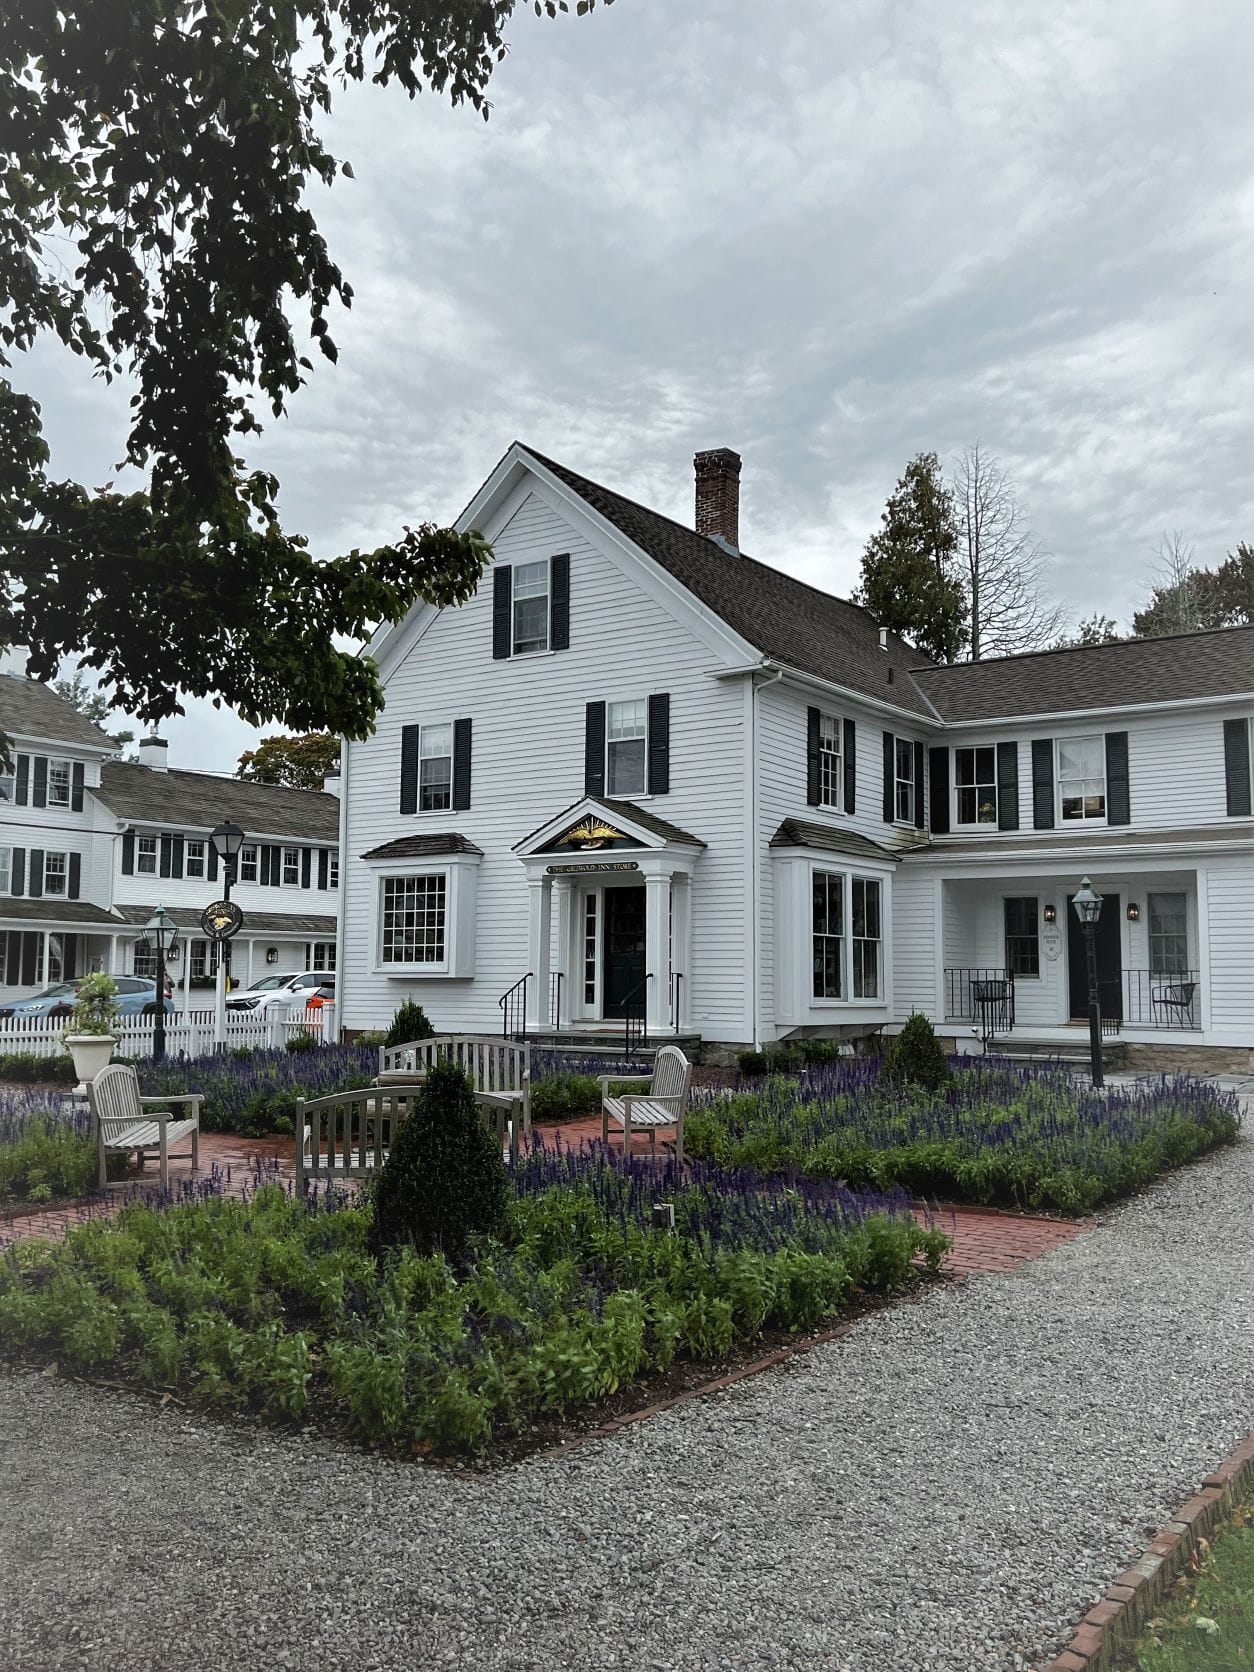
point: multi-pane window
(1082, 777)
(204, 959)
(435, 768)
(146, 855)
(56, 958)
(903, 754)
(333, 870)
(1168, 934)
(828, 934)
(249, 862)
(194, 859)
(590, 950)
(56, 872)
(6, 786)
(6, 870)
(626, 729)
(319, 955)
(413, 920)
(865, 936)
(830, 778)
(531, 607)
(291, 868)
(1023, 935)
(58, 783)
(145, 962)
(975, 781)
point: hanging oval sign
(221, 920)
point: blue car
(135, 997)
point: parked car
(136, 997)
(293, 991)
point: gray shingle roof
(784, 618)
(806, 833)
(28, 709)
(423, 847)
(255, 922)
(1071, 843)
(200, 800)
(1215, 664)
(56, 911)
(626, 810)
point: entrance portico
(609, 927)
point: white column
(540, 921)
(681, 948)
(187, 976)
(563, 893)
(657, 906)
(47, 976)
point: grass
(1207, 1624)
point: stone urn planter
(90, 1038)
(91, 1052)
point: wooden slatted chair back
(671, 1073)
(348, 1134)
(114, 1099)
(493, 1064)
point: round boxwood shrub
(915, 1057)
(409, 1023)
(444, 1180)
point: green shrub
(24, 1067)
(373, 1037)
(751, 1064)
(95, 1008)
(301, 1042)
(916, 1058)
(409, 1023)
(816, 1052)
(444, 1181)
(50, 1160)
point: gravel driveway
(947, 1487)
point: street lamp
(227, 840)
(161, 931)
(1088, 908)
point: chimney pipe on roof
(152, 754)
(718, 494)
(331, 782)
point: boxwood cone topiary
(916, 1058)
(444, 1181)
(409, 1023)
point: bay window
(865, 925)
(829, 934)
(425, 924)
(412, 920)
(846, 936)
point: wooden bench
(496, 1066)
(665, 1103)
(126, 1121)
(348, 1134)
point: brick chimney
(718, 494)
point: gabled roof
(627, 811)
(788, 621)
(28, 709)
(808, 833)
(424, 847)
(201, 800)
(1119, 675)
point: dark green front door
(623, 941)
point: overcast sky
(827, 234)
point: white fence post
(330, 1028)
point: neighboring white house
(640, 771)
(90, 845)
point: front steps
(1074, 1053)
(608, 1044)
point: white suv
(292, 992)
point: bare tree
(1004, 562)
(1180, 596)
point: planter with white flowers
(90, 1038)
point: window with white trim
(6, 870)
(590, 950)
(144, 963)
(56, 873)
(56, 958)
(291, 868)
(412, 919)
(194, 859)
(831, 779)
(1081, 778)
(333, 870)
(1168, 934)
(531, 607)
(626, 746)
(435, 768)
(58, 783)
(903, 755)
(6, 786)
(1023, 935)
(249, 862)
(828, 934)
(204, 959)
(975, 785)
(146, 855)
(866, 936)
(319, 955)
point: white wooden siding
(1229, 931)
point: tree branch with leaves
(910, 579)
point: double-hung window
(146, 855)
(56, 872)
(1168, 934)
(975, 785)
(829, 934)
(6, 786)
(1023, 935)
(6, 870)
(144, 963)
(333, 869)
(1082, 777)
(831, 781)
(435, 768)
(866, 936)
(904, 786)
(531, 607)
(626, 739)
(58, 783)
(194, 859)
(290, 872)
(249, 862)
(412, 920)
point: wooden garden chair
(128, 1122)
(665, 1103)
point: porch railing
(677, 1000)
(636, 1016)
(513, 1006)
(966, 991)
(556, 979)
(1153, 1000)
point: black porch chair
(994, 1005)
(1173, 1001)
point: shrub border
(1117, 1618)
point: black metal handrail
(555, 998)
(513, 1005)
(1162, 999)
(994, 1003)
(636, 1028)
(961, 1004)
(677, 1007)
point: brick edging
(1134, 1596)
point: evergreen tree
(910, 576)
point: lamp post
(227, 840)
(161, 930)
(1088, 908)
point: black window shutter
(462, 738)
(1043, 783)
(659, 778)
(212, 854)
(502, 599)
(920, 818)
(69, 957)
(166, 861)
(17, 884)
(31, 944)
(35, 880)
(1237, 767)
(276, 865)
(1007, 786)
(22, 788)
(594, 749)
(76, 875)
(128, 854)
(39, 783)
(177, 849)
(12, 957)
(812, 757)
(409, 770)
(559, 602)
(851, 767)
(1118, 799)
(890, 782)
(938, 791)
(76, 788)
(306, 867)
(324, 866)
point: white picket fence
(185, 1036)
